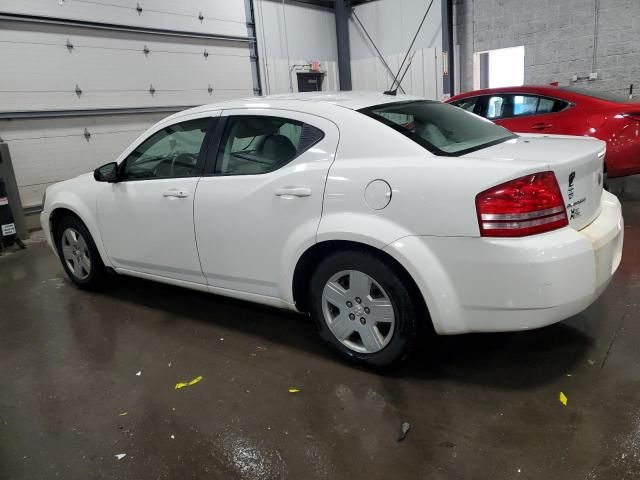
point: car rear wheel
(78, 253)
(363, 309)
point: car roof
(570, 94)
(309, 101)
(541, 89)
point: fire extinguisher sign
(8, 229)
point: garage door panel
(56, 158)
(26, 129)
(119, 71)
(115, 66)
(117, 99)
(221, 17)
(49, 160)
(17, 33)
(47, 151)
(43, 63)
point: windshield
(440, 128)
(609, 97)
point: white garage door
(82, 78)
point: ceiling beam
(316, 3)
(329, 4)
(355, 3)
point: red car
(566, 111)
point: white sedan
(378, 215)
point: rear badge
(572, 177)
(574, 210)
(575, 213)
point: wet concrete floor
(480, 406)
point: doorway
(503, 67)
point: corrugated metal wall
(129, 56)
(289, 37)
(392, 25)
(422, 78)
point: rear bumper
(490, 285)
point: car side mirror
(106, 173)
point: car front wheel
(78, 253)
(363, 308)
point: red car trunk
(566, 111)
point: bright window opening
(499, 68)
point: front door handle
(293, 192)
(175, 193)
(541, 126)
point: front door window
(171, 152)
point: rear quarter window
(440, 128)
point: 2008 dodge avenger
(376, 214)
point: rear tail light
(633, 116)
(524, 206)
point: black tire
(407, 312)
(97, 276)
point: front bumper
(46, 228)
(491, 285)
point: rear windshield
(609, 97)
(440, 128)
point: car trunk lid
(576, 161)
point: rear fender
(412, 254)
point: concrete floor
(480, 406)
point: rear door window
(255, 144)
(524, 105)
(535, 105)
(513, 105)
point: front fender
(82, 202)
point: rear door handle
(175, 193)
(541, 126)
(293, 192)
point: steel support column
(342, 35)
(448, 79)
(9, 178)
(255, 60)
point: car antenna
(394, 91)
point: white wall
(294, 34)
(392, 25)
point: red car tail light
(524, 206)
(633, 116)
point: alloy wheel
(358, 311)
(76, 253)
